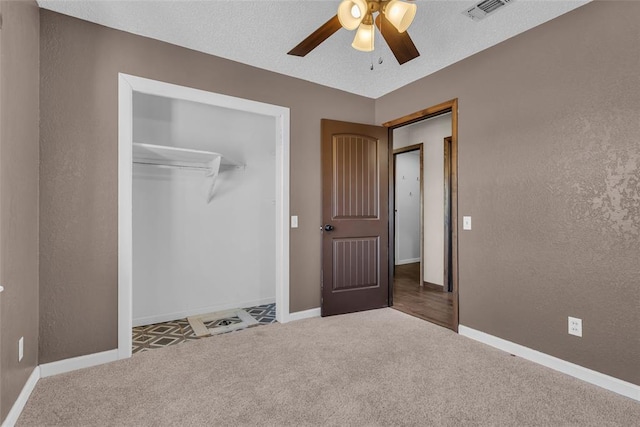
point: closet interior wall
(191, 256)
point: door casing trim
(436, 110)
(127, 85)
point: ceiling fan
(393, 17)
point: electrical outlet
(20, 348)
(294, 221)
(575, 326)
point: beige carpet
(379, 367)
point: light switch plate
(294, 221)
(466, 223)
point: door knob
(329, 227)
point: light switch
(294, 221)
(466, 223)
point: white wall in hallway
(407, 207)
(431, 133)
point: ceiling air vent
(485, 8)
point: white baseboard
(166, 317)
(80, 362)
(407, 261)
(306, 314)
(593, 377)
(18, 405)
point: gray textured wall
(18, 195)
(549, 157)
(80, 62)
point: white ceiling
(260, 33)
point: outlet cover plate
(575, 326)
(20, 348)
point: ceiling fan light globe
(355, 11)
(400, 14)
(364, 38)
(351, 13)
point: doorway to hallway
(425, 301)
(425, 282)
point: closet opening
(203, 214)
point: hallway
(427, 302)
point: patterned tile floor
(160, 335)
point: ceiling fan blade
(400, 43)
(317, 37)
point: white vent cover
(485, 8)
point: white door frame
(127, 85)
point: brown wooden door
(355, 214)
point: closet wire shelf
(183, 158)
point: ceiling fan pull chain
(380, 60)
(371, 53)
(373, 41)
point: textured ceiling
(260, 33)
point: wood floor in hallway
(425, 302)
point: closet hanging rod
(165, 154)
(166, 165)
